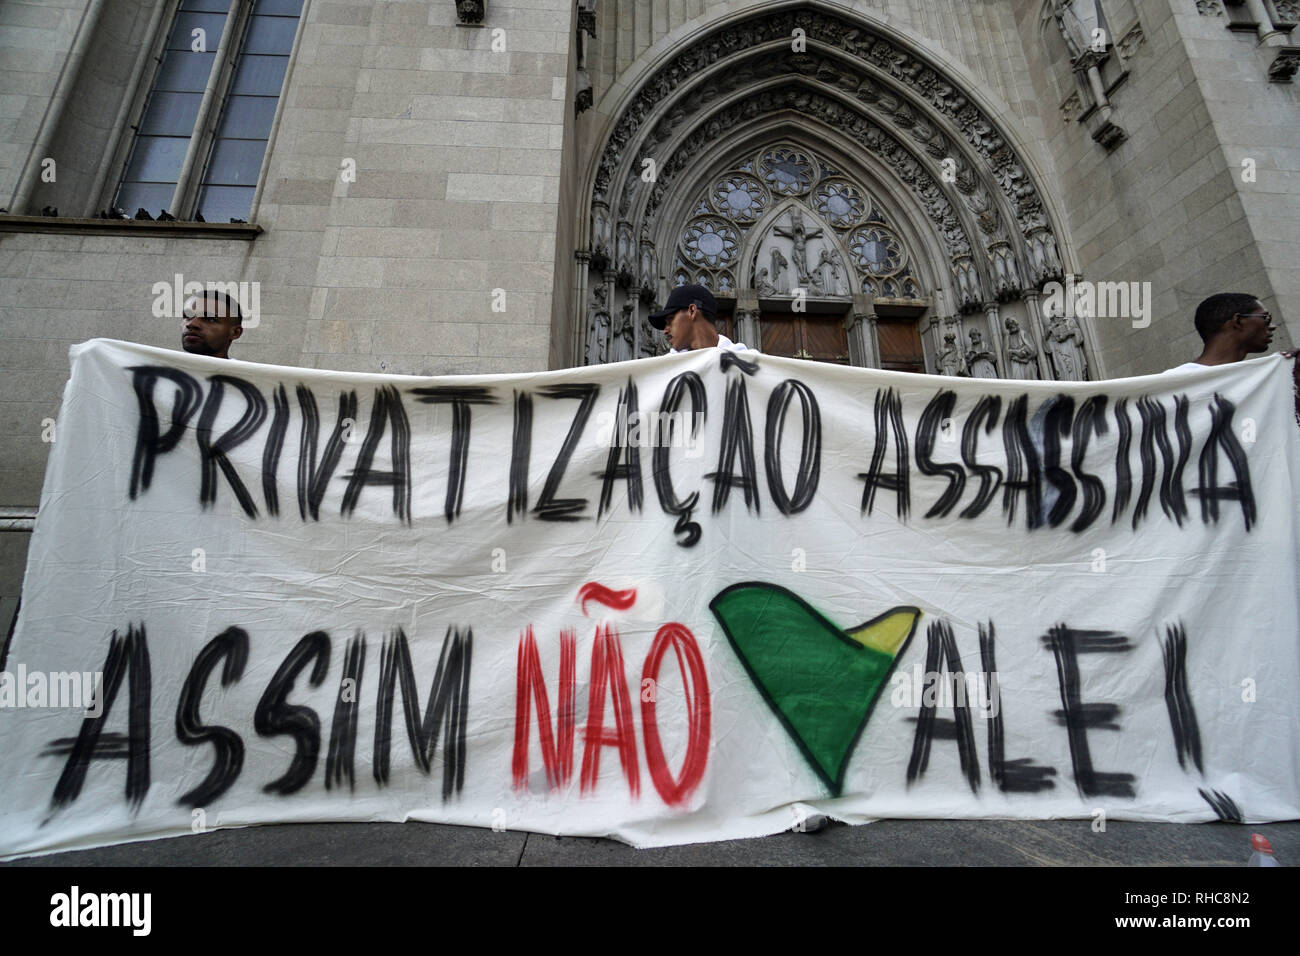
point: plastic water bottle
(1262, 854)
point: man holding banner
(1233, 325)
(687, 321)
(858, 593)
(212, 323)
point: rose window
(711, 242)
(876, 251)
(787, 172)
(740, 197)
(840, 203)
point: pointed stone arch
(985, 229)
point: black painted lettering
(810, 448)
(212, 454)
(624, 461)
(985, 415)
(446, 713)
(274, 445)
(941, 649)
(340, 761)
(274, 718)
(1090, 419)
(150, 440)
(1222, 438)
(314, 476)
(230, 647)
(685, 386)
(460, 398)
(1077, 717)
(127, 655)
(737, 442)
(388, 412)
(936, 413)
(889, 418)
(550, 508)
(1020, 775)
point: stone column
(746, 319)
(1268, 35)
(860, 323)
(1034, 313)
(582, 263)
(995, 338)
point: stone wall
(458, 154)
(1167, 206)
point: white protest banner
(674, 600)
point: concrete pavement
(886, 843)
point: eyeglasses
(1266, 316)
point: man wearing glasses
(212, 321)
(1234, 325)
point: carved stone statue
(1024, 360)
(762, 284)
(601, 233)
(1077, 19)
(828, 270)
(652, 340)
(949, 360)
(621, 347)
(1065, 344)
(780, 265)
(981, 362)
(799, 236)
(598, 329)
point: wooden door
(900, 345)
(821, 338)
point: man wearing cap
(687, 321)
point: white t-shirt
(723, 343)
(1187, 365)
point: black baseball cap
(683, 297)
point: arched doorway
(844, 200)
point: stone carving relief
(652, 340)
(1044, 259)
(598, 324)
(470, 12)
(950, 361)
(1064, 341)
(908, 169)
(831, 239)
(830, 225)
(1006, 275)
(649, 274)
(1130, 41)
(1209, 8)
(882, 58)
(621, 348)
(1077, 20)
(626, 263)
(979, 360)
(969, 294)
(1023, 356)
(828, 278)
(1286, 12)
(602, 236)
